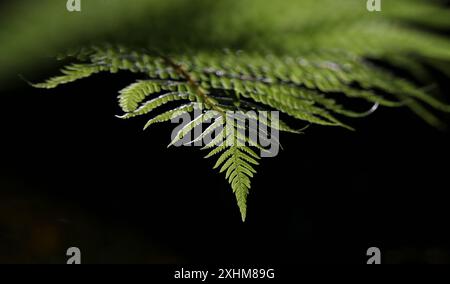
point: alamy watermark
(74, 254)
(374, 5)
(73, 5)
(374, 254)
(251, 128)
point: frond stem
(201, 93)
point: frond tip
(238, 164)
(71, 73)
(237, 161)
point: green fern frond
(238, 162)
(213, 128)
(311, 61)
(218, 140)
(216, 151)
(71, 73)
(171, 114)
(306, 88)
(133, 95)
(202, 118)
(157, 102)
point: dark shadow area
(71, 174)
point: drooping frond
(307, 88)
(202, 118)
(174, 113)
(237, 161)
(239, 169)
(71, 73)
(156, 102)
(312, 61)
(133, 95)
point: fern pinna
(225, 86)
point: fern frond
(202, 118)
(134, 94)
(238, 162)
(157, 102)
(171, 114)
(71, 73)
(216, 125)
(216, 151)
(306, 88)
(218, 140)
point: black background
(71, 174)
